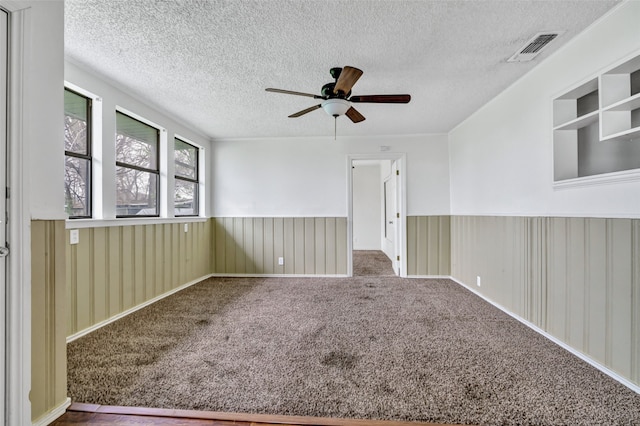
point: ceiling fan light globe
(336, 106)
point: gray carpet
(373, 347)
(371, 263)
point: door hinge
(397, 172)
(7, 193)
(397, 257)
(398, 215)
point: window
(77, 149)
(137, 167)
(186, 182)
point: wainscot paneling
(113, 269)
(48, 328)
(577, 279)
(428, 245)
(252, 245)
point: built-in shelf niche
(597, 125)
(621, 105)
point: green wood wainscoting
(577, 279)
(307, 245)
(48, 310)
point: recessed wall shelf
(629, 104)
(596, 127)
(579, 122)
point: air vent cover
(534, 46)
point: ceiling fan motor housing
(327, 92)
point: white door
(4, 30)
(391, 212)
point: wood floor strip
(222, 418)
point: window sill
(128, 221)
(602, 179)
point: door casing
(17, 372)
(4, 83)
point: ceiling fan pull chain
(335, 127)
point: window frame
(103, 183)
(88, 157)
(196, 180)
(158, 203)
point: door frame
(401, 228)
(4, 82)
(390, 247)
(18, 278)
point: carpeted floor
(371, 263)
(376, 347)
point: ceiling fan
(336, 96)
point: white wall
(501, 157)
(308, 176)
(44, 108)
(113, 96)
(367, 206)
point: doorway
(376, 209)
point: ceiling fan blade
(348, 77)
(290, 92)
(304, 111)
(382, 99)
(354, 115)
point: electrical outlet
(74, 236)
(186, 227)
(478, 280)
(281, 261)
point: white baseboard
(430, 277)
(132, 310)
(52, 415)
(582, 356)
(280, 275)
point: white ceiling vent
(534, 46)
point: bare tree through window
(136, 168)
(186, 179)
(77, 141)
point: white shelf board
(624, 135)
(632, 175)
(581, 90)
(626, 68)
(628, 104)
(579, 122)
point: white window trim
(163, 151)
(96, 149)
(103, 171)
(127, 221)
(201, 185)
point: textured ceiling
(209, 61)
